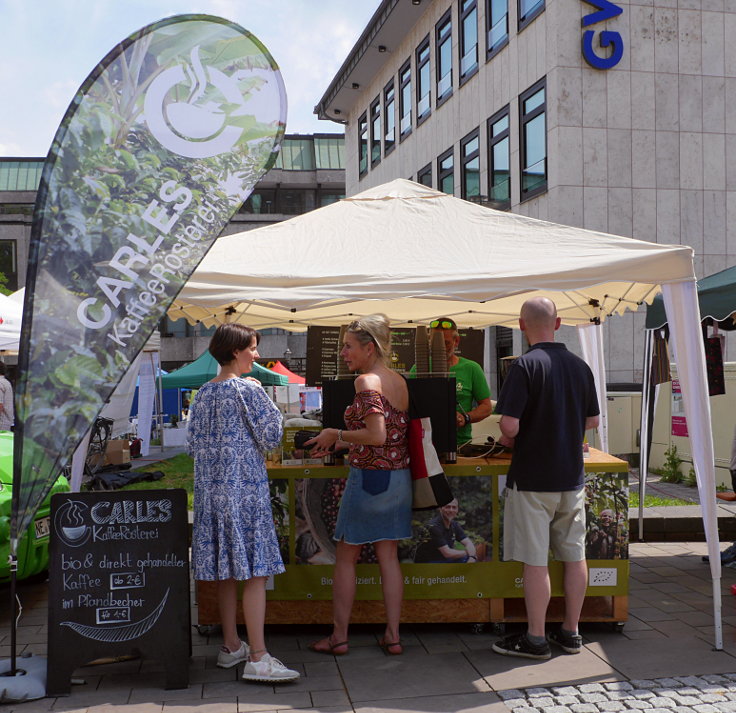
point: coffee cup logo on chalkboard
(71, 523)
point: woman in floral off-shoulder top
(376, 505)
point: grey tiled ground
(665, 653)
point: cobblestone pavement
(684, 694)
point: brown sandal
(330, 649)
(392, 648)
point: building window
(389, 119)
(405, 100)
(328, 198)
(424, 91)
(260, 202)
(446, 172)
(528, 10)
(468, 39)
(470, 166)
(499, 183)
(497, 26)
(8, 265)
(443, 56)
(532, 120)
(424, 176)
(376, 131)
(362, 144)
(291, 202)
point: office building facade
(619, 117)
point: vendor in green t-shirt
(473, 393)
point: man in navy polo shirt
(547, 402)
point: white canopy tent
(412, 253)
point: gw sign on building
(606, 11)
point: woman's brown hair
(231, 338)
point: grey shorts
(535, 522)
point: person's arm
(450, 553)
(467, 543)
(374, 433)
(509, 430)
(592, 422)
(482, 410)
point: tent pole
(717, 614)
(644, 437)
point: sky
(49, 47)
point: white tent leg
(644, 428)
(683, 315)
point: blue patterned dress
(231, 425)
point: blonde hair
(373, 328)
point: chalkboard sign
(118, 582)
(323, 348)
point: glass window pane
(471, 146)
(501, 125)
(471, 178)
(534, 138)
(469, 59)
(535, 100)
(527, 7)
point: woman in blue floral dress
(232, 424)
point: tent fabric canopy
(205, 367)
(293, 378)
(413, 252)
(716, 297)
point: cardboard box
(117, 452)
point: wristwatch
(467, 418)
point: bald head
(538, 319)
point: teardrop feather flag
(161, 145)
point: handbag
(430, 488)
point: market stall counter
(438, 588)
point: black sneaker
(570, 643)
(519, 645)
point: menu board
(402, 349)
(472, 343)
(118, 582)
(323, 350)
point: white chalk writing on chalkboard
(124, 632)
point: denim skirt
(376, 505)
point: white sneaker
(268, 669)
(228, 659)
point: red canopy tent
(293, 378)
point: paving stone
(591, 688)
(705, 708)
(515, 703)
(536, 692)
(637, 704)
(584, 708)
(683, 709)
(557, 709)
(687, 700)
(726, 707)
(564, 690)
(542, 701)
(641, 693)
(611, 706)
(566, 700)
(511, 693)
(691, 680)
(618, 686)
(712, 697)
(668, 682)
(663, 702)
(593, 697)
(643, 683)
